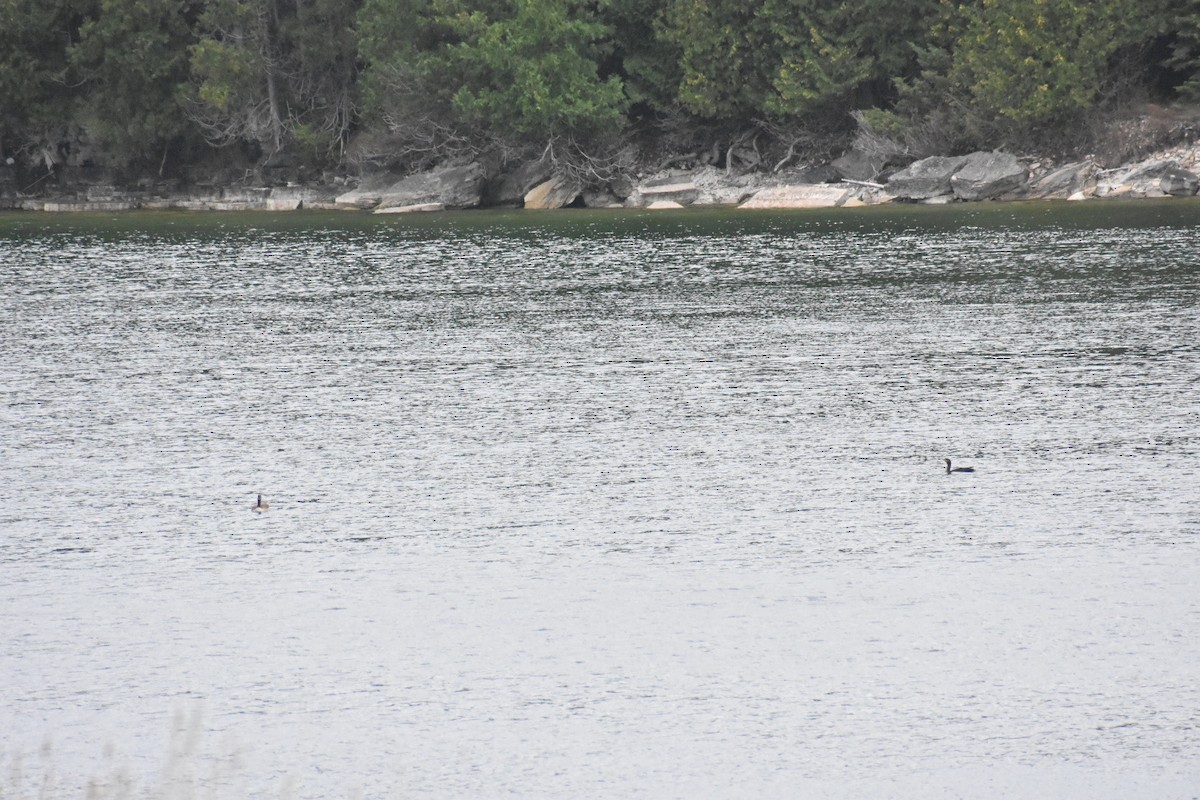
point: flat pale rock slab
(74, 207)
(1147, 171)
(286, 199)
(682, 192)
(663, 205)
(722, 196)
(1115, 190)
(670, 188)
(415, 208)
(800, 196)
(284, 204)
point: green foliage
(791, 58)
(536, 73)
(322, 59)
(1185, 49)
(884, 123)
(724, 55)
(36, 102)
(132, 62)
(263, 70)
(519, 68)
(647, 65)
(134, 79)
(820, 63)
(227, 75)
(235, 72)
(1038, 61)
(1025, 70)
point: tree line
(148, 85)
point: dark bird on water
(260, 506)
(957, 469)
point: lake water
(632, 505)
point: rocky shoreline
(855, 179)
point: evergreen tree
(792, 58)
(37, 115)
(132, 66)
(276, 73)
(822, 61)
(441, 71)
(535, 73)
(727, 56)
(1041, 62)
(322, 73)
(647, 64)
(237, 69)
(1185, 49)
(121, 81)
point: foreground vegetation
(158, 87)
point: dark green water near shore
(592, 504)
(1032, 215)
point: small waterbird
(957, 469)
(260, 506)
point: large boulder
(1178, 182)
(1146, 171)
(856, 165)
(600, 197)
(1063, 182)
(929, 177)
(557, 192)
(986, 176)
(453, 187)
(1140, 180)
(510, 188)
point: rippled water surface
(589, 505)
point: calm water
(588, 505)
